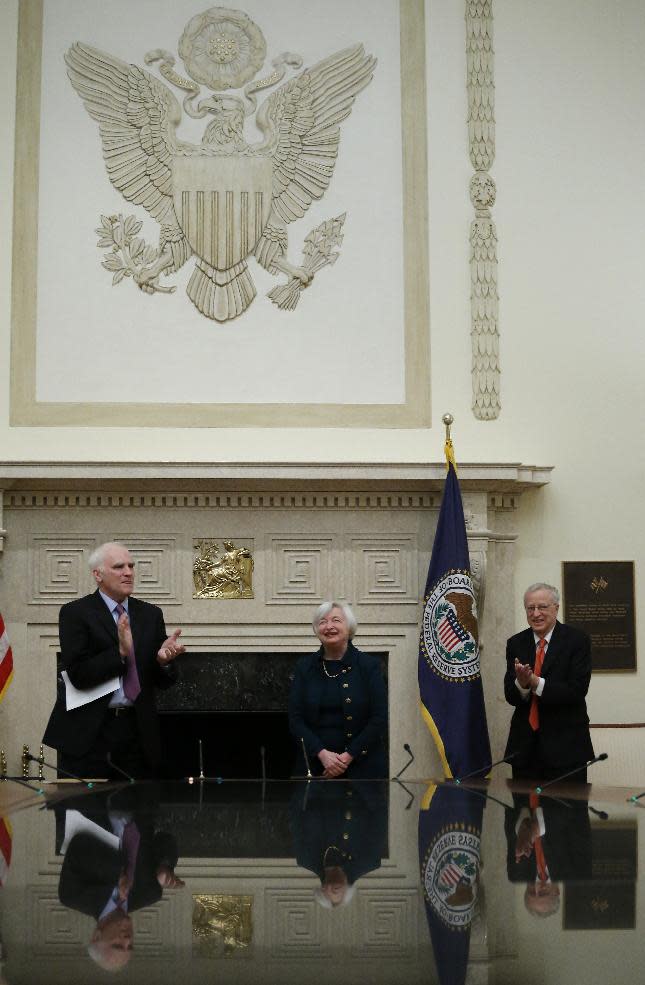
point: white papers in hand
(74, 697)
(76, 822)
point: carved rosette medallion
(483, 235)
(222, 574)
(222, 925)
(222, 48)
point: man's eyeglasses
(539, 608)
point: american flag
(6, 660)
(451, 632)
(5, 849)
(450, 875)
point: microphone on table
(72, 776)
(407, 748)
(485, 769)
(304, 752)
(113, 766)
(578, 769)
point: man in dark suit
(548, 669)
(111, 640)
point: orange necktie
(534, 714)
(540, 858)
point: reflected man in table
(115, 862)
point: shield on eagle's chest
(222, 204)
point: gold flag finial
(449, 451)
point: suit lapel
(104, 615)
(553, 649)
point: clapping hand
(170, 649)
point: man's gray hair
(96, 559)
(541, 586)
(326, 608)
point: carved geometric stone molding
(278, 501)
(157, 928)
(299, 569)
(386, 923)
(53, 928)
(58, 567)
(156, 566)
(296, 925)
(386, 569)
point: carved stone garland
(483, 235)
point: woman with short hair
(338, 702)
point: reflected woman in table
(339, 833)
(338, 703)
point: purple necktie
(130, 844)
(131, 685)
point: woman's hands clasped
(334, 763)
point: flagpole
(449, 451)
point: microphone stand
(409, 762)
(304, 752)
(578, 769)
(113, 766)
(484, 769)
(79, 779)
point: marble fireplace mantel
(493, 477)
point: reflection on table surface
(319, 881)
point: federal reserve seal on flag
(449, 636)
(451, 876)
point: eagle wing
(301, 123)
(137, 115)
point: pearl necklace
(331, 676)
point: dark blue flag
(450, 822)
(450, 686)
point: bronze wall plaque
(225, 574)
(222, 924)
(599, 598)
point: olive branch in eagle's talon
(130, 255)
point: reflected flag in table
(6, 660)
(450, 822)
(5, 849)
(450, 686)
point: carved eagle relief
(224, 199)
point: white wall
(570, 214)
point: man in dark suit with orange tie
(112, 641)
(548, 669)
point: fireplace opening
(234, 744)
(236, 704)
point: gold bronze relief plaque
(222, 574)
(222, 925)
